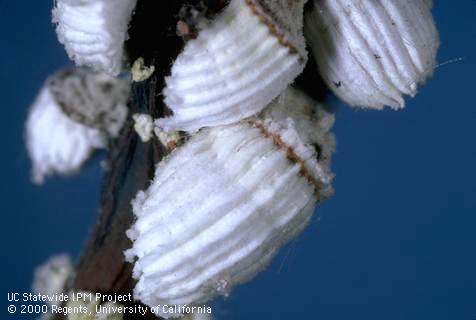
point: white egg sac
(244, 59)
(371, 53)
(56, 143)
(221, 206)
(93, 31)
(74, 114)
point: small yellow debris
(140, 72)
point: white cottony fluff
(221, 206)
(50, 277)
(244, 59)
(56, 143)
(94, 31)
(75, 112)
(371, 53)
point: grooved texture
(371, 53)
(233, 69)
(285, 20)
(93, 31)
(221, 206)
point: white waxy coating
(245, 58)
(94, 31)
(56, 143)
(371, 53)
(221, 206)
(74, 114)
(50, 277)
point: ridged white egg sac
(56, 143)
(244, 59)
(74, 114)
(221, 206)
(51, 276)
(94, 31)
(371, 53)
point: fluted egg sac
(371, 53)
(221, 206)
(56, 143)
(244, 59)
(75, 113)
(94, 31)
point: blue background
(397, 241)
